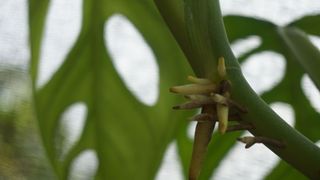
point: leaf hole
(85, 166)
(14, 46)
(170, 167)
(191, 129)
(258, 158)
(315, 40)
(242, 46)
(132, 58)
(264, 70)
(311, 92)
(61, 31)
(285, 111)
(239, 163)
(70, 128)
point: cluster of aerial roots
(202, 93)
(214, 99)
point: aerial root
(251, 140)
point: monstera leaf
(130, 137)
(296, 48)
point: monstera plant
(130, 137)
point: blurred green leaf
(128, 136)
(289, 90)
(306, 54)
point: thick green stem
(173, 14)
(300, 152)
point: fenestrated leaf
(239, 27)
(307, 119)
(128, 136)
(289, 90)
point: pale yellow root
(222, 112)
(191, 89)
(199, 80)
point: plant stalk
(299, 151)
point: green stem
(300, 152)
(172, 12)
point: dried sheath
(250, 141)
(203, 117)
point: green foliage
(289, 90)
(130, 137)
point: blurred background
(21, 154)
